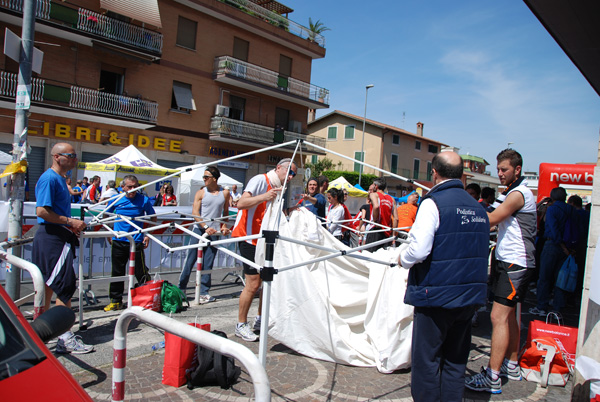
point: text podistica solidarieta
(100, 136)
(469, 213)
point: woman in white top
(336, 212)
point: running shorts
(509, 283)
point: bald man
(55, 241)
(447, 257)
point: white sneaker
(206, 299)
(245, 332)
(73, 345)
(256, 325)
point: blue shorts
(53, 253)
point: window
(186, 33)
(314, 159)
(396, 139)
(282, 118)
(418, 145)
(429, 173)
(112, 79)
(182, 99)
(240, 49)
(416, 167)
(332, 133)
(394, 164)
(433, 149)
(237, 106)
(349, 133)
(360, 157)
(285, 71)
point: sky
(479, 74)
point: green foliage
(315, 28)
(351, 177)
(318, 168)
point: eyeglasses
(206, 177)
(70, 156)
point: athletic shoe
(256, 325)
(483, 382)
(73, 345)
(206, 299)
(537, 311)
(513, 374)
(114, 306)
(245, 332)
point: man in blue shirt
(56, 239)
(131, 205)
(314, 201)
(554, 252)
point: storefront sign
(66, 131)
(216, 151)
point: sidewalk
(293, 377)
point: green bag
(172, 298)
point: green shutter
(360, 157)
(332, 133)
(349, 133)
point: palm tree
(315, 28)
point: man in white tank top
(210, 202)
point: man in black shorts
(258, 193)
(516, 217)
(55, 241)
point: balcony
(252, 77)
(89, 27)
(241, 132)
(277, 20)
(53, 99)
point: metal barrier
(262, 387)
(39, 287)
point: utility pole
(22, 104)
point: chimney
(420, 129)
(312, 114)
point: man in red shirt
(382, 212)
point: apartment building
(390, 148)
(475, 172)
(185, 81)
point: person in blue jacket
(448, 259)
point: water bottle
(158, 345)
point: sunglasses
(70, 156)
(292, 173)
(206, 177)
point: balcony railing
(256, 133)
(86, 99)
(94, 23)
(9, 82)
(259, 75)
(277, 20)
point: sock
(511, 364)
(258, 317)
(493, 374)
(66, 336)
(239, 324)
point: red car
(28, 370)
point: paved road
(293, 377)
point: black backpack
(213, 368)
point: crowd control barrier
(258, 374)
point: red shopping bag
(179, 357)
(549, 354)
(565, 337)
(147, 295)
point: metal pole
(17, 188)
(362, 146)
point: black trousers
(441, 341)
(120, 266)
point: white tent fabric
(342, 310)
(191, 181)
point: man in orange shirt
(407, 214)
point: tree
(318, 168)
(315, 29)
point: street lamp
(362, 147)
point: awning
(140, 10)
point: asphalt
(292, 377)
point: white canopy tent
(192, 181)
(125, 162)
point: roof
(468, 157)
(376, 124)
(575, 26)
(274, 6)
